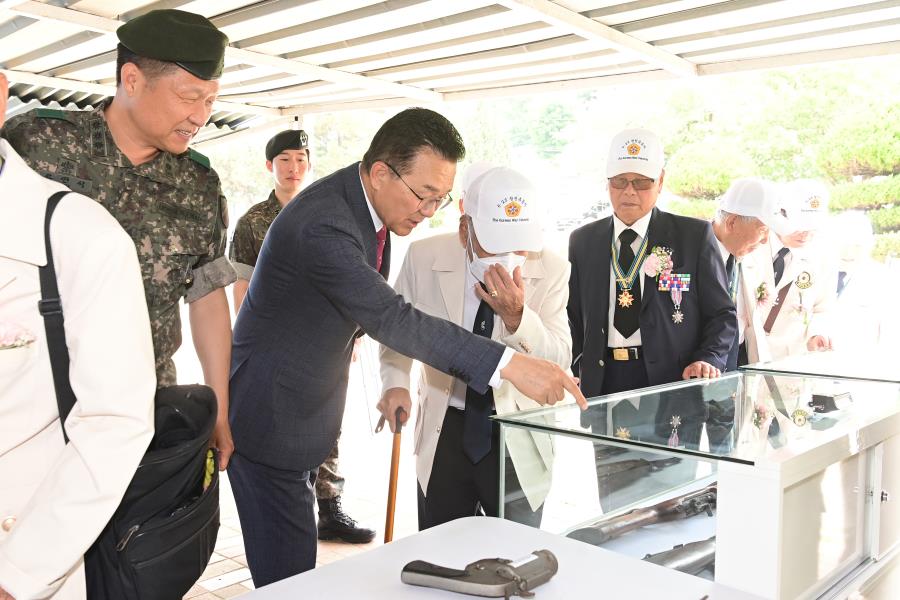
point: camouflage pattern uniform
(246, 243)
(249, 234)
(172, 207)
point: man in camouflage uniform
(131, 155)
(287, 158)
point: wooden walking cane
(392, 484)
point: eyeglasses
(434, 204)
(640, 184)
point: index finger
(569, 384)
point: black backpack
(160, 538)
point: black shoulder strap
(50, 308)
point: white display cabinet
(803, 465)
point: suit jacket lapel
(451, 274)
(356, 200)
(600, 284)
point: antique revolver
(488, 577)
(682, 507)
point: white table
(584, 571)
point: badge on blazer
(800, 417)
(623, 433)
(676, 284)
(804, 280)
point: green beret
(186, 39)
(292, 139)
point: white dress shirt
(616, 339)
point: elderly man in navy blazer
(648, 299)
(318, 284)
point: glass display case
(862, 364)
(777, 484)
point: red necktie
(381, 236)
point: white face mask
(478, 265)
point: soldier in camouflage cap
(131, 155)
(287, 158)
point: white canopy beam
(571, 21)
(99, 24)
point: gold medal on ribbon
(625, 281)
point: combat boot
(335, 524)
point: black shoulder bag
(161, 536)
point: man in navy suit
(648, 299)
(318, 284)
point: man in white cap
(473, 172)
(495, 278)
(648, 297)
(746, 213)
(803, 279)
(864, 316)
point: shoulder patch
(51, 113)
(198, 158)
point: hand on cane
(393, 399)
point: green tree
(706, 168)
(863, 142)
(548, 132)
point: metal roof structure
(288, 58)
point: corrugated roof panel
(351, 24)
(557, 49)
(769, 30)
(458, 47)
(481, 23)
(522, 35)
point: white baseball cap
(475, 170)
(754, 197)
(805, 204)
(635, 151)
(504, 207)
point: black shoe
(335, 524)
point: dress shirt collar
(375, 218)
(724, 251)
(775, 244)
(640, 226)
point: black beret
(186, 39)
(292, 139)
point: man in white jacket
(55, 498)
(803, 275)
(493, 278)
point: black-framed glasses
(640, 184)
(434, 203)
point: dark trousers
(458, 489)
(276, 509)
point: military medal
(675, 422)
(625, 281)
(676, 284)
(800, 417)
(804, 280)
(623, 434)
